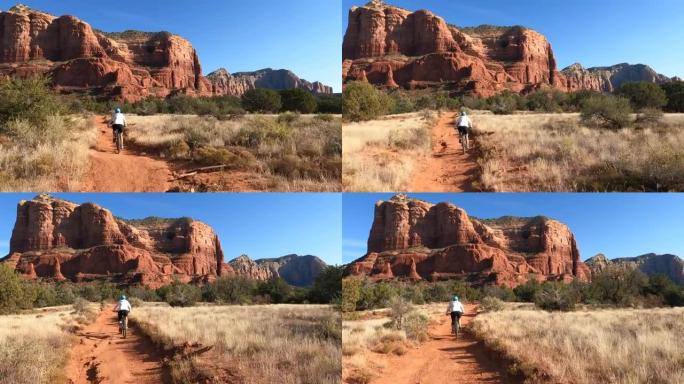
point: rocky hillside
(299, 271)
(57, 239)
(241, 82)
(609, 79)
(417, 240)
(651, 264)
(128, 65)
(393, 47)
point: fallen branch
(193, 172)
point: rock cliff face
(58, 239)
(609, 79)
(129, 65)
(299, 271)
(241, 82)
(392, 47)
(651, 264)
(418, 240)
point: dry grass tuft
(553, 152)
(381, 155)
(598, 346)
(268, 343)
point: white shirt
(118, 118)
(455, 306)
(123, 305)
(463, 121)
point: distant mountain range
(609, 79)
(651, 264)
(299, 271)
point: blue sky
(300, 35)
(257, 224)
(616, 224)
(592, 32)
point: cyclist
(123, 307)
(118, 122)
(464, 125)
(456, 310)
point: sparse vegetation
(259, 343)
(361, 102)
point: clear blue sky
(300, 35)
(257, 224)
(616, 224)
(591, 32)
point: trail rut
(102, 356)
(447, 169)
(123, 172)
(444, 359)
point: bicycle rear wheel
(119, 142)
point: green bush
(416, 326)
(329, 104)
(361, 102)
(556, 297)
(288, 118)
(260, 130)
(674, 91)
(12, 292)
(649, 117)
(298, 100)
(261, 100)
(491, 304)
(327, 287)
(617, 286)
(642, 94)
(277, 290)
(528, 291)
(399, 309)
(499, 292)
(606, 112)
(504, 104)
(180, 295)
(230, 290)
(542, 101)
(351, 294)
(29, 99)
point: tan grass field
(555, 153)
(47, 158)
(381, 155)
(264, 343)
(283, 153)
(34, 347)
(591, 346)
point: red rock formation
(419, 49)
(299, 271)
(239, 83)
(420, 240)
(129, 65)
(58, 239)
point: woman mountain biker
(118, 122)
(463, 124)
(123, 307)
(456, 310)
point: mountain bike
(123, 325)
(464, 139)
(456, 326)
(118, 133)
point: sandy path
(124, 172)
(103, 356)
(448, 169)
(443, 359)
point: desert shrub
(81, 305)
(416, 326)
(233, 158)
(642, 94)
(229, 290)
(361, 102)
(556, 297)
(261, 100)
(288, 118)
(616, 285)
(402, 104)
(292, 167)
(333, 145)
(528, 291)
(389, 343)
(178, 149)
(327, 286)
(28, 99)
(674, 92)
(180, 295)
(606, 112)
(144, 294)
(399, 308)
(277, 290)
(261, 130)
(53, 129)
(542, 101)
(298, 100)
(329, 104)
(12, 291)
(325, 117)
(649, 117)
(503, 104)
(491, 304)
(499, 292)
(351, 294)
(378, 295)
(409, 138)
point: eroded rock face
(58, 239)
(299, 271)
(609, 79)
(239, 83)
(130, 65)
(651, 264)
(393, 47)
(415, 239)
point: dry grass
(553, 152)
(34, 347)
(292, 153)
(268, 343)
(598, 346)
(49, 158)
(381, 155)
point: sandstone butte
(393, 48)
(130, 65)
(416, 240)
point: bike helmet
(117, 110)
(122, 297)
(463, 113)
(455, 298)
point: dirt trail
(448, 169)
(102, 356)
(443, 359)
(124, 172)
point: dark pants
(455, 316)
(122, 314)
(462, 130)
(117, 128)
